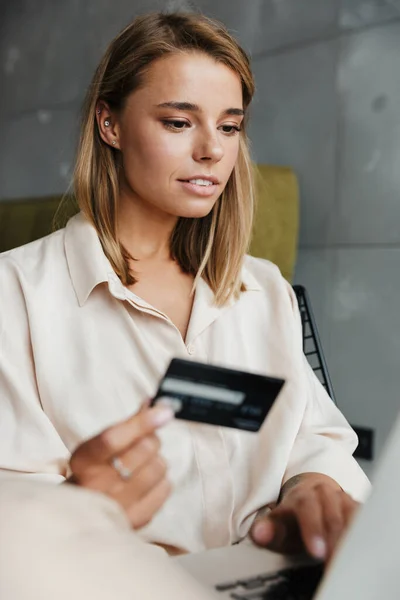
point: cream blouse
(79, 352)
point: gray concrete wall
(328, 103)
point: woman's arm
(29, 442)
(31, 446)
(322, 481)
(305, 477)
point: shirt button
(190, 349)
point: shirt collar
(89, 267)
(249, 281)
(205, 311)
(87, 263)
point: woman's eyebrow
(195, 108)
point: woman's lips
(198, 189)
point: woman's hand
(123, 462)
(311, 516)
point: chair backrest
(275, 226)
(311, 341)
(276, 223)
(23, 221)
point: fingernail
(160, 416)
(319, 547)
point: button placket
(217, 484)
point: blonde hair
(211, 247)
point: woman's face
(179, 135)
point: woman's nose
(208, 148)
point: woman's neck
(143, 230)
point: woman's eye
(230, 129)
(175, 125)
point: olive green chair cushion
(276, 223)
(275, 227)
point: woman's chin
(196, 210)
(194, 214)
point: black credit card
(217, 395)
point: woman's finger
(311, 520)
(263, 532)
(140, 454)
(106, 477)
(117, 439)
(279, 532)
(308, 512)
(333, 516)
(140, 513)
(144, 480)
(145, 405)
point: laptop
(365, 567)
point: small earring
(98, 111)
(107, 123)
(114, 143)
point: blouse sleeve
(29, 443)
(325, 441)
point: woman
(153, 267)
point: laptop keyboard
(297, 583)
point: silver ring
(122, 471)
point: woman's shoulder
(264, 275)
(28, 275)
(33, 258)
(263, 271)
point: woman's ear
(107, 125)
